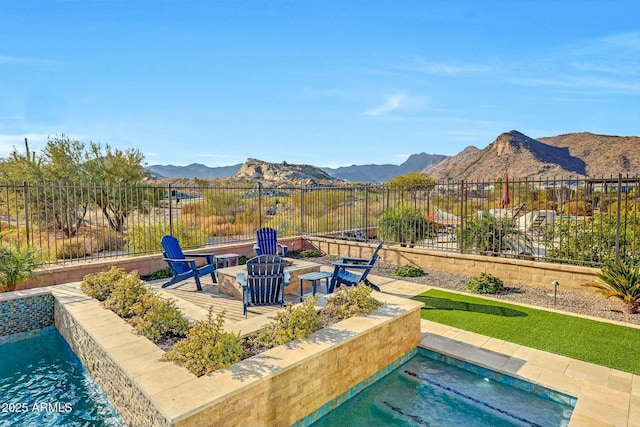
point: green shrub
(158, 317)
(485, 284)
(309, 253)
(352, 301)
(295, 322)
(165, 273)
(17, 264)
(99, 285)
(125, 295)
(207, 347)
(405, 225)
(242, 260)
(407, 271)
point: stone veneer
(278, 387)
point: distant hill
(603, 154)
(383, 173)
(574, 154)
(578, 154)
(194, 170)
(258, 170)
(355, 173)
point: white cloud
(8, 142)
(418, 64)
(392, 102)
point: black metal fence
(577, 221)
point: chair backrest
(265, 279)
(267, 241)
(375, 253)
(172, 250)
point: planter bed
(280, 386)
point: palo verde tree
(413, 183)
(115, 174)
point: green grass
(601, 343)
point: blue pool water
(42, 382)
(426, 392)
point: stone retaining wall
(527, 272)
(147, 264)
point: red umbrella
(505, 192)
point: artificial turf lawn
(601, 343)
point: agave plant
(621, 281)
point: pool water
(42, 382)
(426, 392)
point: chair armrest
(209, 257)
(284, 248)
(347, 265)
(287, 278)
(179, 260)
(355, 260)
(242, 279)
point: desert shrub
(294, 322)
(407, 271)
(110, 240)
(309, 253)
(158, 317)
(352, 301)
(485, 284)
(207, 347)
(147, 238)
(125, 295)
(242, 260)
(73, 249)
(99, 285)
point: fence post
(462, 216)
(617, 259)
(170, 211)
(25, 188)
(366, 213)
(260, 204)
(302, 227)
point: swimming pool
(427, 392)
(42, 382)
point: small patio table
(313, 278)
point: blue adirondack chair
(264, 281)
(185, 267)
(344, 274)
(267, 243)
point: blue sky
(327, 83)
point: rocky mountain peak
(254, 169)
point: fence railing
(577, 221)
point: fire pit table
(228, 285)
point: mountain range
(576, 154)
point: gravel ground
(595, 306)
